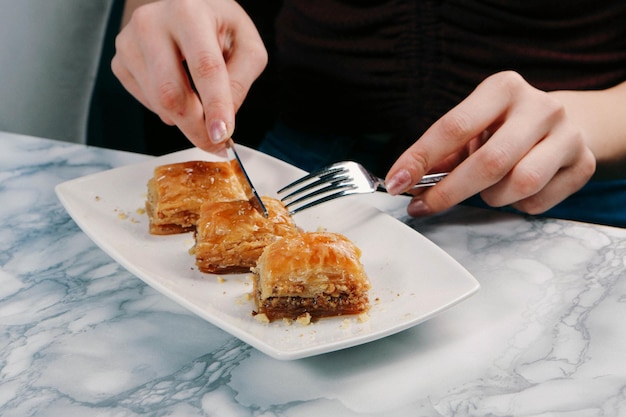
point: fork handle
(427, 181)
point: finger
(245, 63)
(487, 166)
(146, 62)
(453, 160)
(493, 162)
(448, 135)
(245, 56)
(484, 108)
(206, 64)
(557, 167)
(128, 61)
(527, 120)
(128, 81)
(564, 183)
(166, 85)
(554, 168)
(532, 173)
(176, 100)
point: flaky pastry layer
(177, 191)
(319, 273)
(230, 236)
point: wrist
(598, 117)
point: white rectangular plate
(412, 278)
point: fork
(339, 180)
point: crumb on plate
(261, 318)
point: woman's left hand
(508, 141)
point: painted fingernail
(218, 132)
(399, 182)
(418, 208)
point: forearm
(602, 117)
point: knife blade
(244, 179)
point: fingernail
(399, 182)
(218, 132)
(418, 208)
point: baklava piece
(318, 273)
(177, 191)
(230, 236)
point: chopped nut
(261, 318)
(363, 317)
(304, 319)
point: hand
(508, 141)
(218, 43)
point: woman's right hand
(223, 52)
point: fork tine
(338, 180)
(336, 176)
(319, 201)
(334, 186)
(330, 178)
(331, 169)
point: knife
(244, 179)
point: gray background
(49, 54)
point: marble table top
(81, 336)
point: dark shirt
(396, 66)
